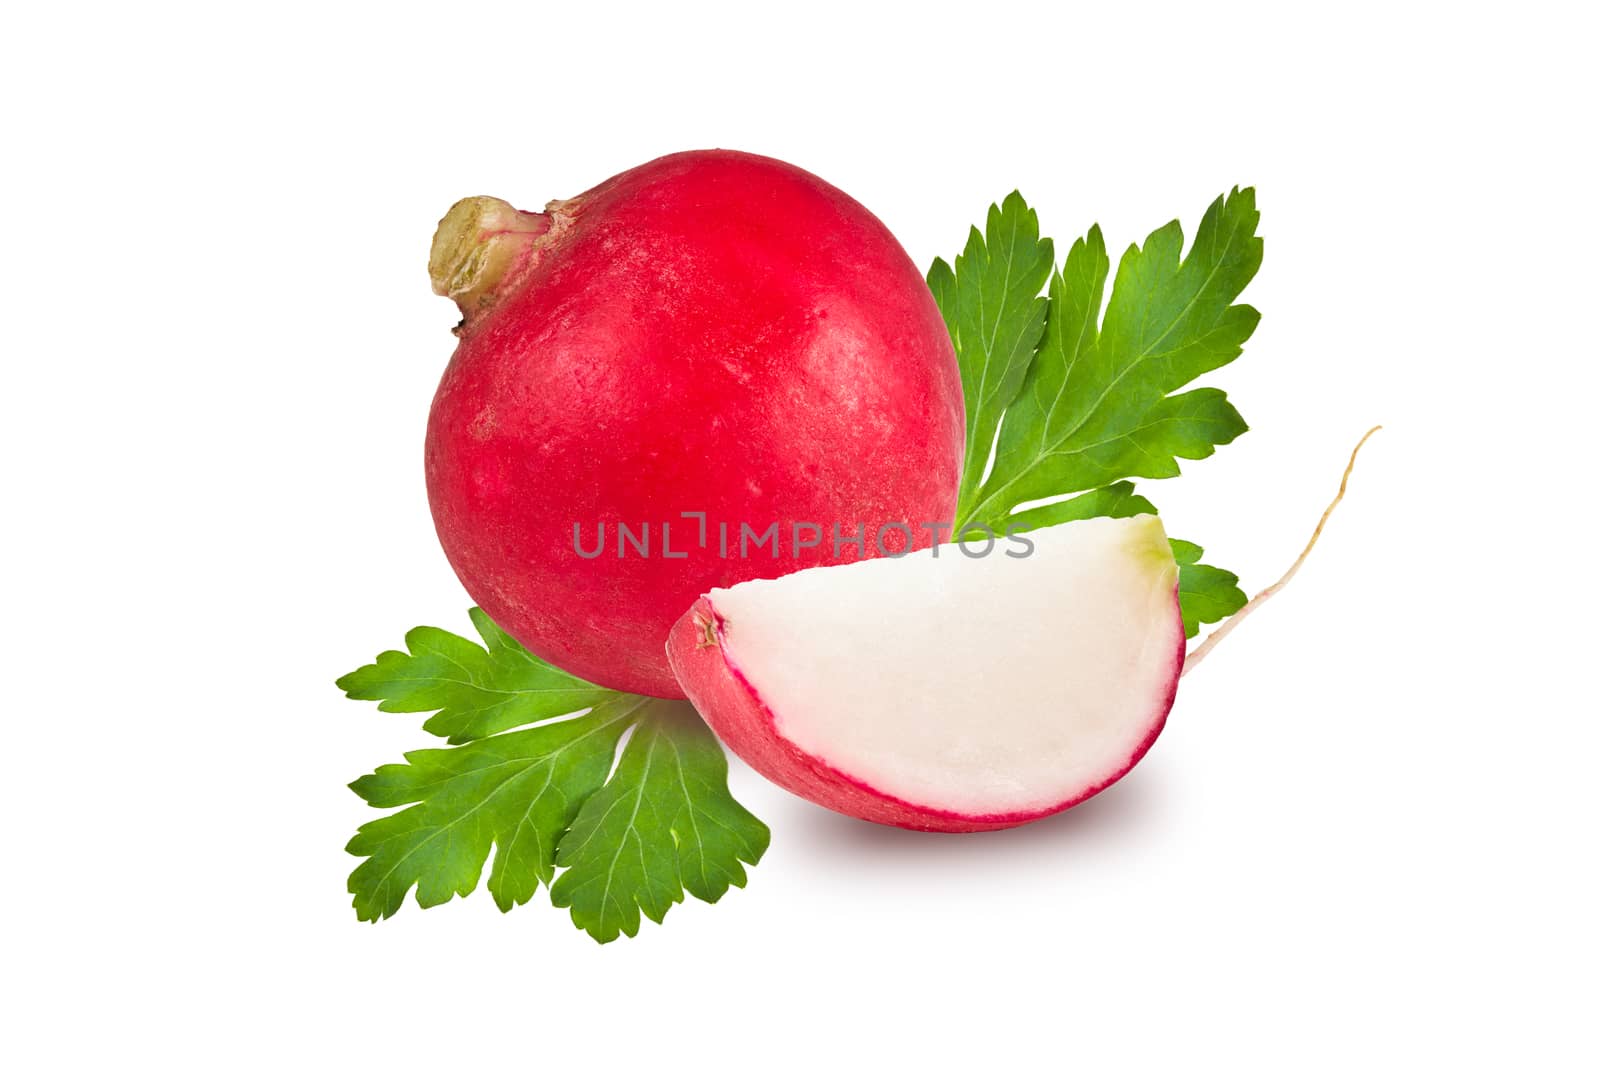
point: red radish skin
(710, 332)
(741, 719)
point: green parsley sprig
(1063, 399)
(543, 797)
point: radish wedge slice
(941, 691)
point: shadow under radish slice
(940, 691)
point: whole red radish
(714, 334)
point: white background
(1368, 836)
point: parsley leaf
(991, 304)
(664, 822)
(517, 792)
(477, 691)
(1083, 401)
(524, 793)
(1096, 403)
(1206, 594)
(1117, 500)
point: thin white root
(1195, 656)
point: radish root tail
(1195, 656)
